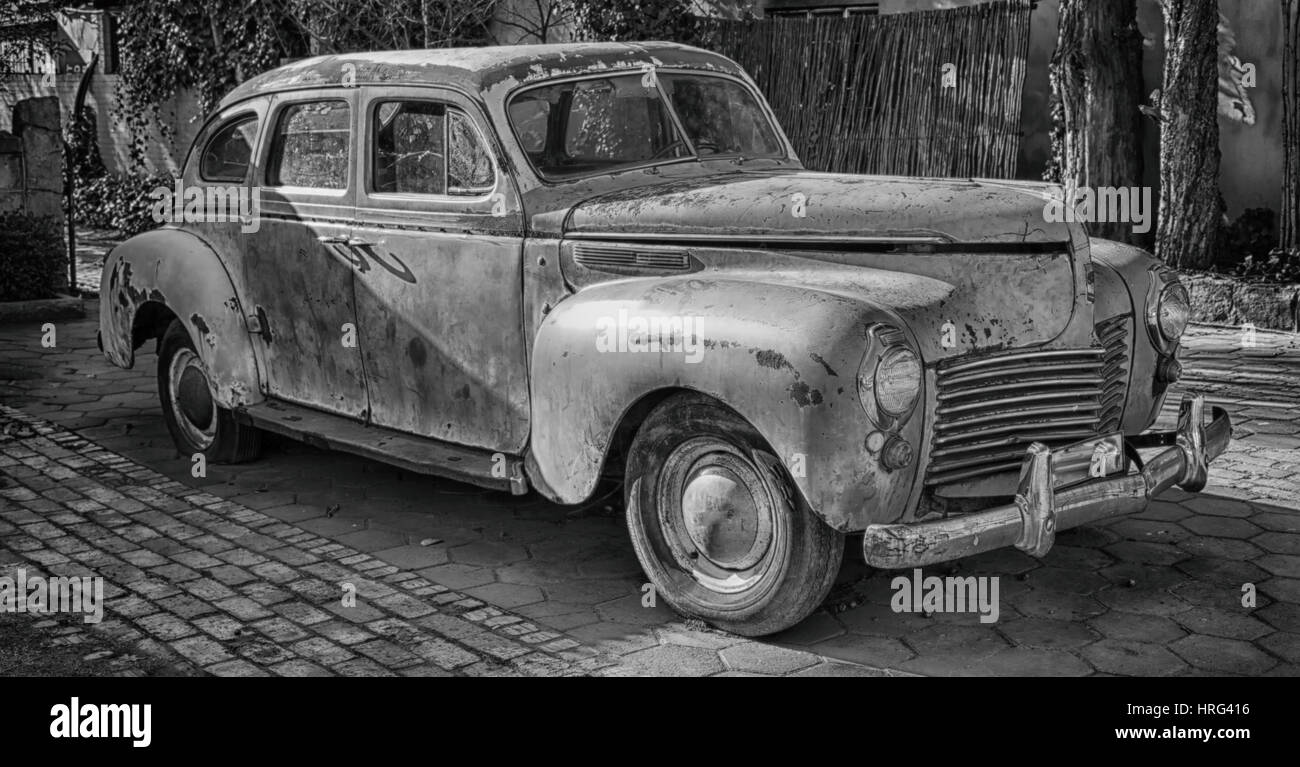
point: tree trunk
(1097, 81)
(1190, 212)
(1289, 239)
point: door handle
(333, 239)
(356, 242)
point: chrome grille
(1113, 336)
(990, 408)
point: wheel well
(630, 423)
(151, 321)
(625, 432)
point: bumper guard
(1031, 522)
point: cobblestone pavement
(1154, 594)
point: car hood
(997, 276)
(808, 204)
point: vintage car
(541, 267)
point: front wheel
(717, 525)
(196, 422)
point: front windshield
(601, 125)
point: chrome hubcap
(191, 398)
(721, 517)
(717, 515)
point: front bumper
(1040, 508)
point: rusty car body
(448, 239)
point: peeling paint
(804, 395)
(772, 359)
(829, 370)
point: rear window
(228, 153)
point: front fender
(784, 356)
(177, 270)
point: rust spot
(804, 395)
(818, 359)
(265, 324)
(772, 359)
(204, 330)
(416, 351)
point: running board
(418, 454)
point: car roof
(477, 69)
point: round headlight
(1174, 311)
(898, 380)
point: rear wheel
(717, 525)
(196, 422)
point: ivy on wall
(625, 20)
(168, 46)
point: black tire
(197, 424)
(697, 475)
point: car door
(298, 268)
(439, 239)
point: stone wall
(31, 171)
(31, 164)
(1224, 301)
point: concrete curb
(42, 310)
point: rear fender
(177, 270)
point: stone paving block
(342, 632)
(472, 636)
(322, 651)
(1135, 627)
(165, 626)
(415, 557)
(362, 667)
(404, 605)
(301, 613)
(873, 651)
(1220, 655)
(1128, 658)
(299, 667)
(221, 627)
(185, 606)
(236, 668)
(243, 608)
(202, 650)
(766, 658)
(280, 630)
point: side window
(410, 147)
(310, 146)
(228, 153)
(423, 147)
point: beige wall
(81, 38)
(161, 154)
